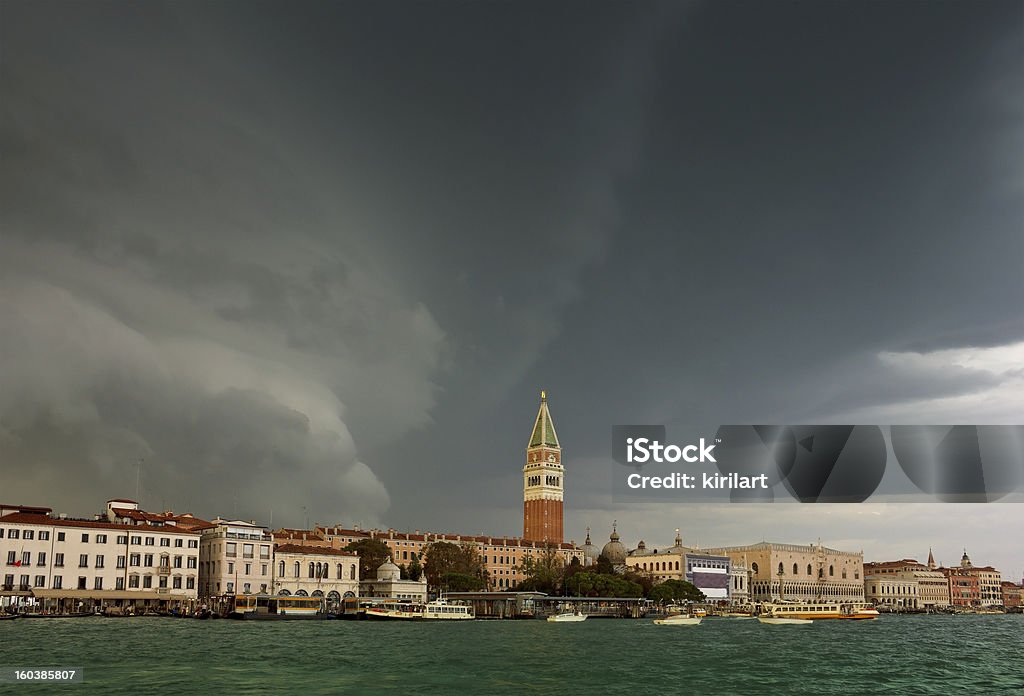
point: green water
(893, 655)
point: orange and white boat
(816, 611)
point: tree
(676, 591)
(444, 558)
(415, 569)
(587, 584)
(603, 566)
(372, 553)
(544, 571)
(460, 582)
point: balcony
(164, 570)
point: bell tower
(543, 481)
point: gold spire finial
(543, 395)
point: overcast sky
(316, 260)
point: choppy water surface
(893, 655)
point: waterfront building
(739, 583)
(543, 481)
(69, 564)
(1012, 595)
(906, 583)
(793, 571)
(302, 537)
(970, 585)
(315, 571)
(709, 573)
(235, 557)
(502, 557)
(388, 583)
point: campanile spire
(543, 480)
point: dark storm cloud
(346, 244)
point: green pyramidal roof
(543, 428)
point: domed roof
(388, 570)
(590, 552)
(614, 550)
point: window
(147, 582)
(133, 581)
(177, 582)
(121, 562)
(150, 541)
(60, 536)
(136, 540)
(81, 582)
(40, 581)
(98, 584)
(101, 538)
(135, 560)
(263, 588)
(41, 558)
(280, 569)
(12, 557)
(2, 533)
(246, 550)
(165, 541)
(193, 543)
(29, 534)
(85, 538)
(296, 568)
(99, 561)
(26, 558)
(58, 560)
(263, 569)
(808, 569)
(246, 588)
(231, 587)
(230, 549)
(177, 543)
(122, 539)
(13, 534)
(192, 562)
(231, 567)
(341, 572)
(352, 572)
(163, 582)
(780, 569)
(794, 569)
(264, 551)
(190, 583)
(248, 568)
(177, 561)
(83, 562)
(831, 571)
(119, 584)
(311, 570)
(43, 536)
(58, 582)
(148, 561)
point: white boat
(819, 610)
(777, 621)
(568, 617)
(679, 620)
(441, 610)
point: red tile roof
(312, 550)
(32, 518)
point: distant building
(971, 585)
(906, 583)
(68, 564)
(709, 573)
(315, 571)
(235, 557)
(503, 557)
(388, 583)
(1012, 595)
(792, 571)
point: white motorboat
(568, 617)
(679, 620)
(774, 620)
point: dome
(388, 570)
(590, 552)
(614, 551)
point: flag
(17, 564)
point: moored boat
(817, 611)
(679, 620)
(568, 617)
(776, 621)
